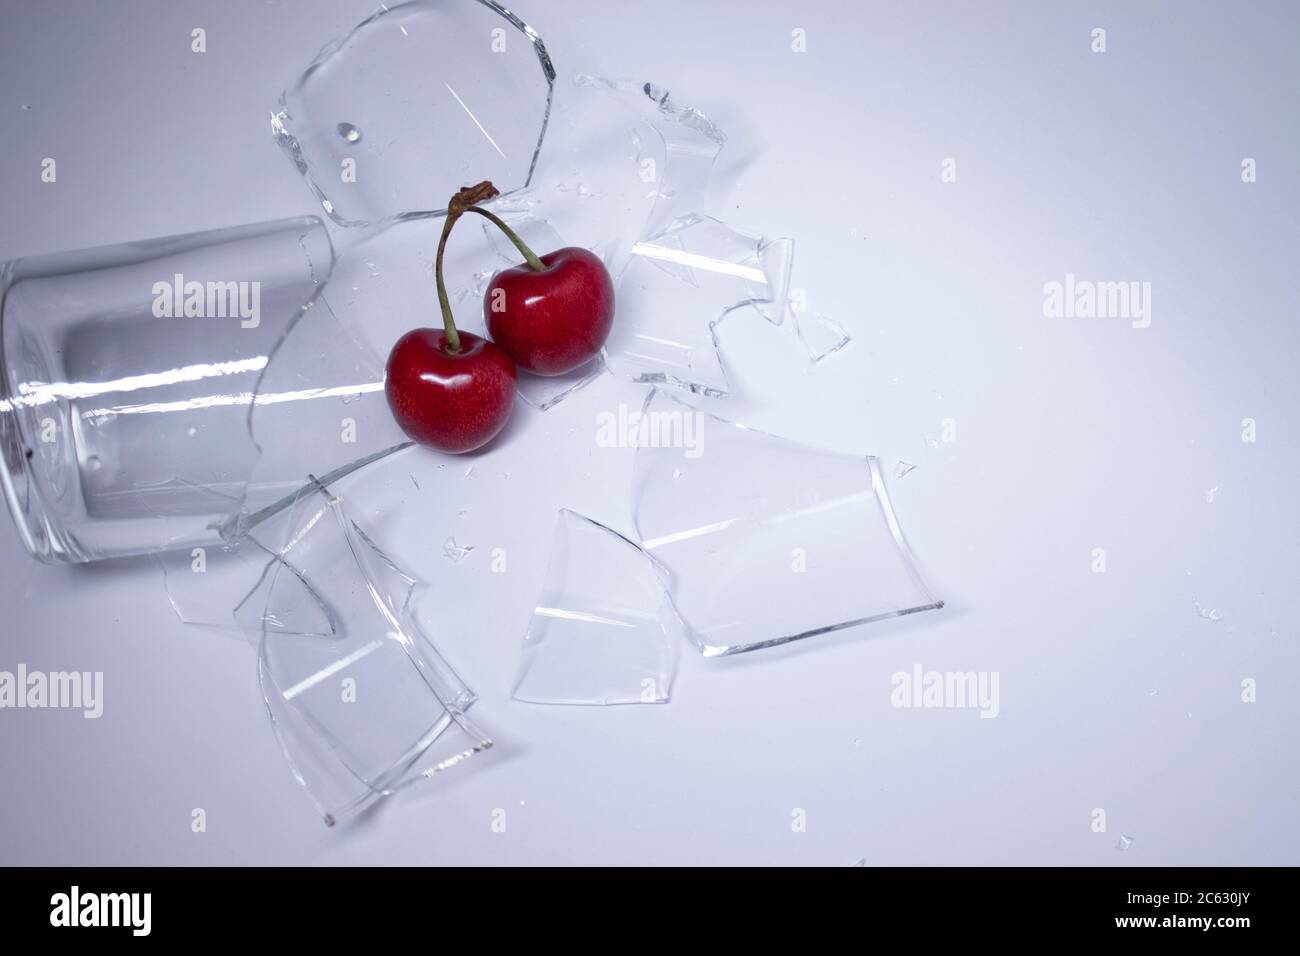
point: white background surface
(1071, 435)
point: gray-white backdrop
(1070, 435)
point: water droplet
(902, 469)
(94, 463)
(349, 133)
(932, 442)
(26, 108)
(677, 473)
(191, 431)
(453, 551)
(1124, 843)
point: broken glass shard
(618, 164)
(204, 583)
(454, 551)
(416, 101)
(676, 159)
(821, 336)
(322, 389)
(1124, 843)
(903, 469)
(361, 702)
(678, 286)
(1211, 614)
(604, 630)
(767, 541)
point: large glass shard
(128, 375)
(679, 285)
(690, 142)
(604, 630)
(418, 100)
(621, 160)
(362, 703)
(319, 407)
(767, 541)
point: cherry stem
(448, 323)
(465, 198)
(527, 253)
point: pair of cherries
(549, 315)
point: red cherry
(454, 401)
(555, 319)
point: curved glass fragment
(621, 160)
(204, 584)
(319, 407)
(678, 286)
(821, 335)
(767, 541)
(417, 100)
(361, 701)
(604, 630)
